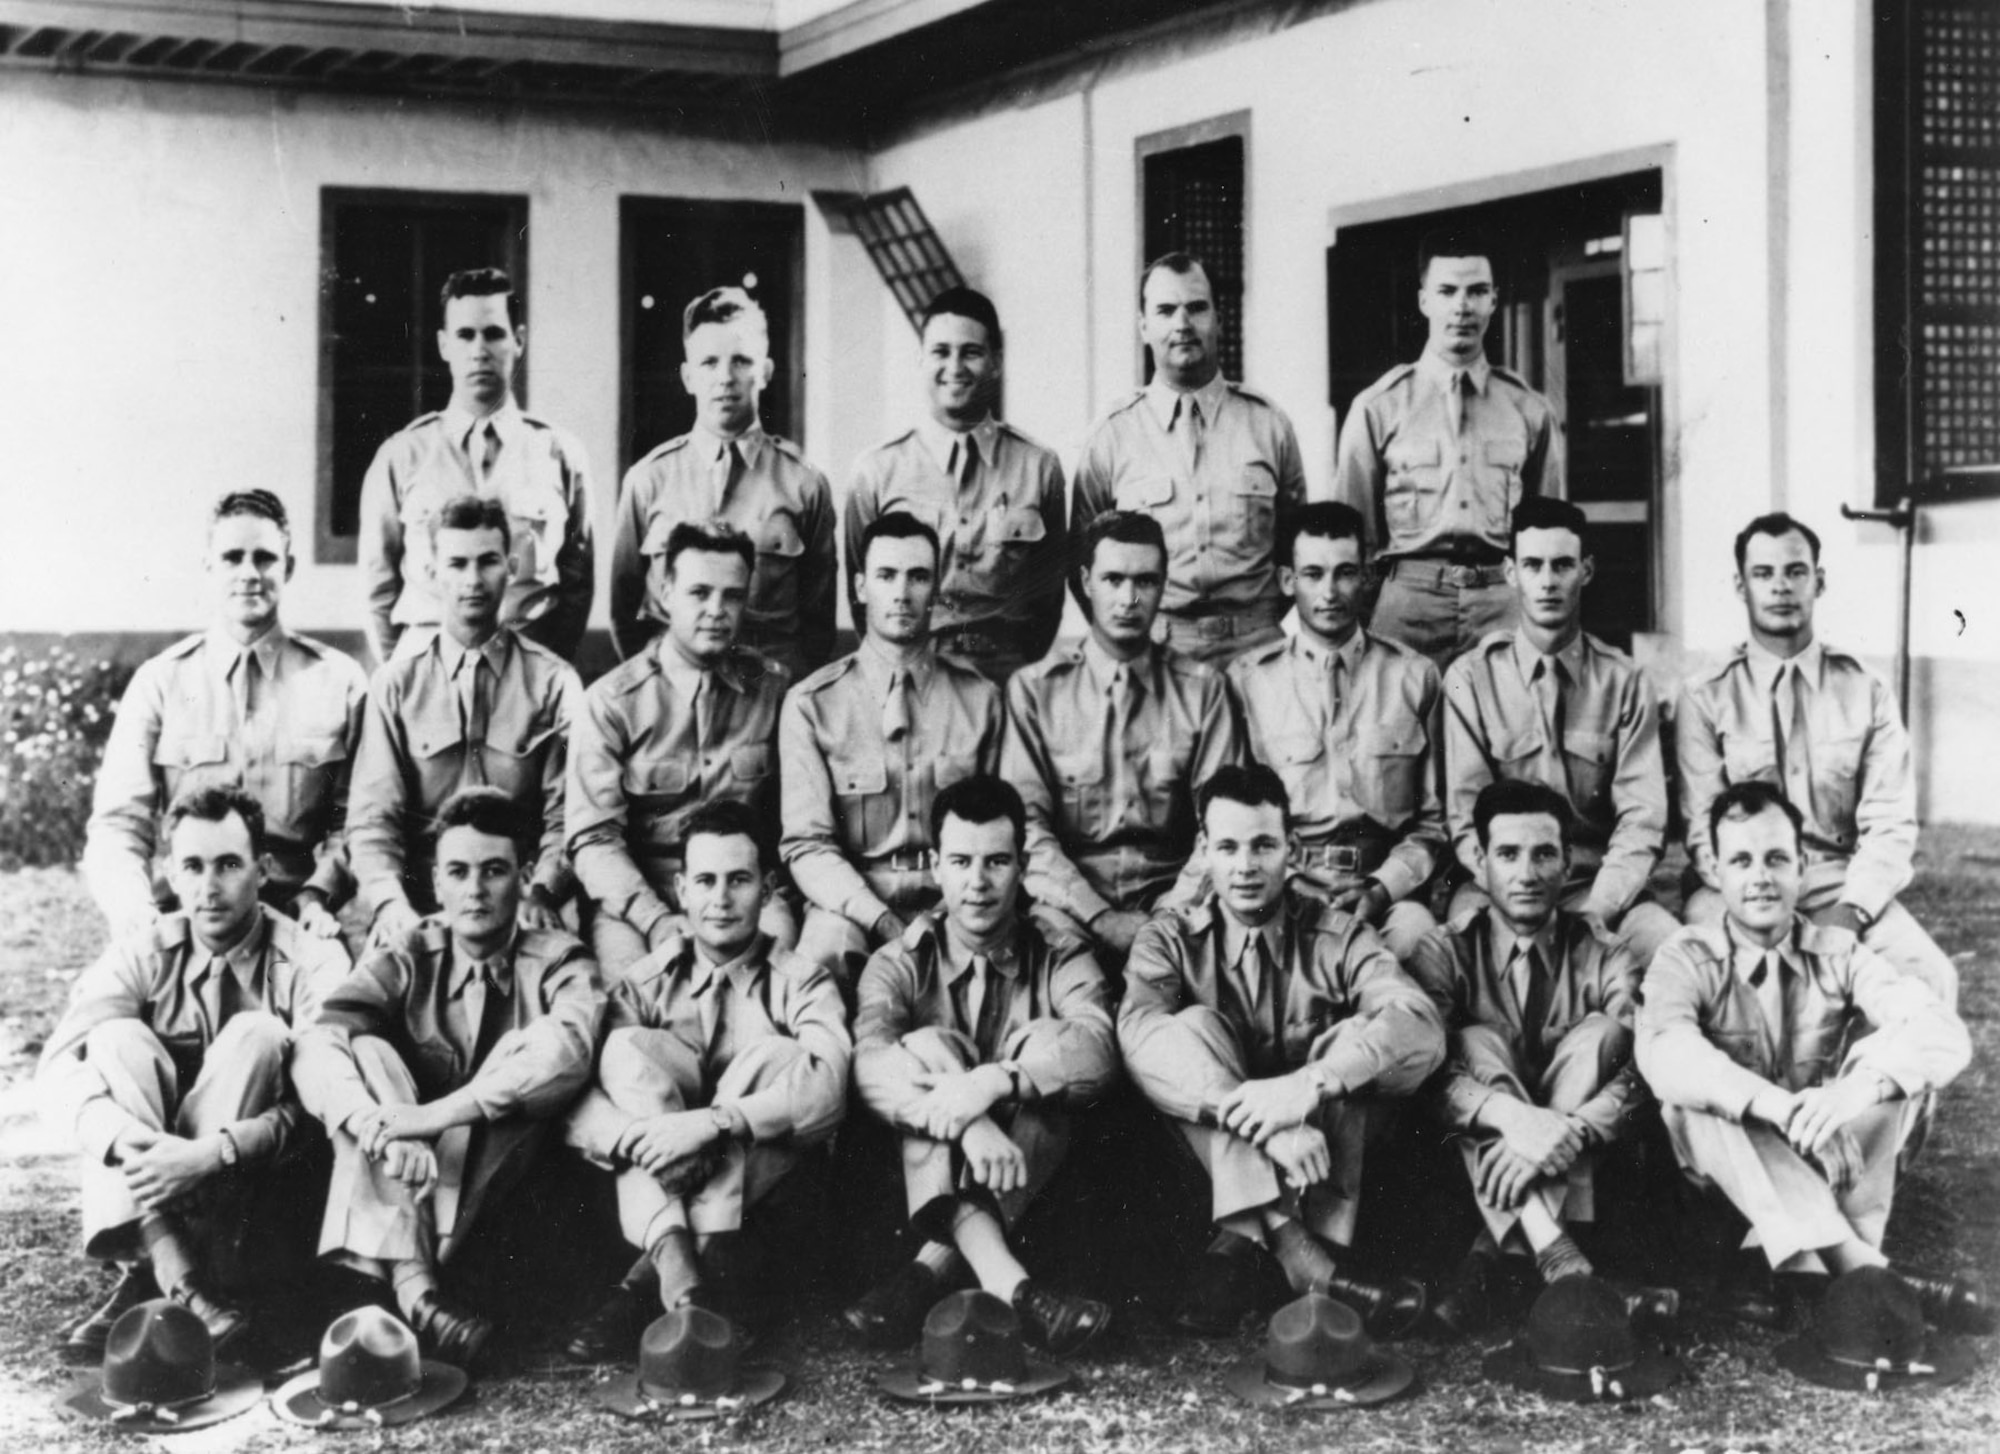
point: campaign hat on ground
(160, 1376)
(1869, 1337)
(971, 1354)
(1318, 1356)
(370, 1376)
(690, 1367)
(1579, 1345)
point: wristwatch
(724, 1122)
(231, 1153)
(1317, 1073)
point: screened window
(1191, 191)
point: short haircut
(724, 305)
(1322, 520)
(1253, 784)
(484, 283)
(730, 818)
(981, 798)
(1177, 262)
(213, 802)
(1774, 525)
(1127, 527)
(1745, 800)
(966, 303)
(260, 503)
(1511, 797)
(711, 537)
(485, 810)
(898, 525)
(474, 512)
(1456, 242)
(1546, 512)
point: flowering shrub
(55, 712)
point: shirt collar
(743, 970)
(708, 445)
(506, 421)
(452, 655)
(1506, 942)
(1744, 957)
(1571, 657)
(958, 954)
(1236, 935)
(939, 441)
(1765, 665)
(244, 958)
(269, 648)
(878, 667)
(1103, 666)
(500, 965)
(1163, 399)
(1438, 373)
(1348, 653)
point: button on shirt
(999, 519)
(539, 473)
(1221, 516)
(1436, 457)
(415, 754)
(657, 737)
(772, 495)
(181, 719)
(1109, 778)
(1603, 756)
(1353, 731)
(1847, 764)
(852, 800)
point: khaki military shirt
(852, 799)
(1603, 755)
(772, 495)
(1220, 517)
(540, 474)
(1430, 482)
(181, 720)
(1111, 794)
(639, 767)
(1354, 732)
(416, 752)
(995, 498)
(1846, 761)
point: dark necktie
(1187, 424)
(1535, 1004)
(896, 707)
(968, 460)
(472, 715)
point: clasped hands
(399, 1137)
(1814, 1122)
(1271, 1115)
(956, 1106)
(161, 1169)
(1532, 1144)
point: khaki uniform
(761, 484)
(1596, 741)
(1210, 1003)
(162, 1035)
(1546, 1020)
(1844, 763)
(764, 1035)
(192, 713)
(658, 737)
(931, 1006)
(1218, 468)
(995, 498)
(420, 743)
(419, 1021)
(1709, 1040)
(1436, 458)
(539, 472)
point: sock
(940, 1257)
(1309, 1265)
(673, 1259)
(411, 1278)
(984, 1245)
(640, 1277)
(1484, 1246)
(173, 1264)
(1562, 1258)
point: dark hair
(711, 537)
(1456, 242)
(1775, 525)
(1509, 797)
(474, 512)
(1252, 784)
(213, 802)
(898, 525)
(723, 305)
(1322, 520)
(261, 503)
(1176, 262)
(1744, 800)
(965, 303)
(484, 283)
(1546, 512)
(486, 810)
(729, 818)
(1126, 527)
(981, 798)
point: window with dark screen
(384, 256)
(1191, 191)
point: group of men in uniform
(1292, 887)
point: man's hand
(888, 928)
(414, 1164)
(1774, 1106)
(655, 1143)
(1367, 901)
(953, 1101)
(1258, 1109)
(1825, 1109)
(1840, 1161)
(377, 1126)
(995, 1162)
(314, 916)
(394, 922)
(169, 1167)
(1841, 916)
(1547, 1140)
(1504, 1176)
(539, 910)
(1117, 928)
(1302, 1154)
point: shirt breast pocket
(1300, 760)
(952, 767)
(1746, 758)
(1166, 782)
(779, 548)
(193, 754)
(1012, 536)
(1505, 459)
(750, 765)
(861, 793)
(1745, 1047)
(1515, 752)
(1836, 781)
(513, 756)
(1589, 759)
(538, 519)
(1254, 502)
(1414, 484)
(1390, 777)
(1080, 785)
(1143, 492)
(312, 764)
(656, 784)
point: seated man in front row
(1269, 1026)
(1538, 1079)
(976, 1036)
(168, 1068)
(438, 1064)
(724, 1056)
(1747, 1037)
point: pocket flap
(1299, 747)
(191, 750)
(1079, 769)
(750, 763)
(314, 749)
(1257, 480)
(780, 537)
(859, 779)
(1391, 742)
(1412, 453)
(1147, 490)
(1018, 526)
(656, 779)
(1507, 453)
(1590, 746)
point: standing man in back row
(481, 444)
(1214, 462)
(1437, 454)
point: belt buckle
(1214, 628)
(1343, 856)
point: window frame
(1181, 138)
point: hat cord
(722, 1403)
(1295, 1392)
(162, 1413)
(1599, 1383)
(966, 1385)
(1878, 1366)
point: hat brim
(298, 1402)
(237, 1391)
(1952, 1359)
(1384, 1376)
(1513, 1364)
(908, 1383)
(624, 1397)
